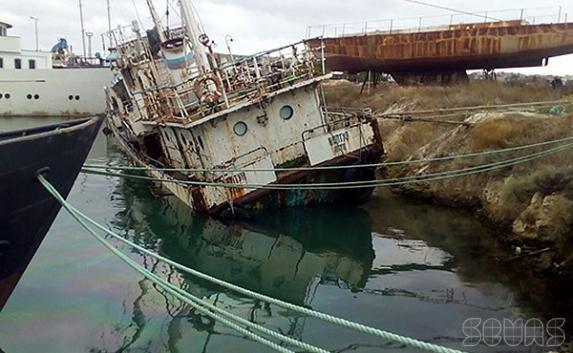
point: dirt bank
(530, 205)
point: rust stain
(236, 193)
(530, 43)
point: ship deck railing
(537, 15)
(248, 79)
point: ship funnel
(178, 57)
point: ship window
(1, 63)
(7, 96)
(1, 95)
(77, 98)
(286, 112)
(36, 96)
(70, 97)
(17, 63)
(29, 96)
(240, 128)
(32, 64)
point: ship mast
(109, 20)
(156, 21)
(192, 27)
(83, 30)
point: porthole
(240, 128)
(286, 112)
(70, 97)
(29, 96)
(7, 96)
(77, 98)
(1, 96)
(36, 96)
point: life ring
(203, 91)
(204, 39)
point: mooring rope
(371, 165)
(356, 184)
(198, 304)
(206, 308)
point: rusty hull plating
(455, 48)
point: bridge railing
(538, 15)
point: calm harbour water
(399, 265)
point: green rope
(201, 305)
(357, 184)
(373, 165)
(82, 218)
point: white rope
(78, 215)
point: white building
(30, 86)
(12, 56)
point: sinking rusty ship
(196, 121)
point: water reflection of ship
(284, 253)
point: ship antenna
(83, 30)
(109, 20)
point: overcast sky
(256, 24)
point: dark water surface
(398, 265)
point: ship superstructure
(198, 121)
(37, 83)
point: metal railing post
(323, 59)
(521, 16)
(485, 17)
(343, 29)
(365, 27)
(391, 25)
(559, 14)
(420, 24)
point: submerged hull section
(280, 253)
(238, 199)
(27, 210)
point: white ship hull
(53, 92)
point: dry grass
(494, 133)
(347, 94)
(403, 139)
(503, 130)
(504, 195)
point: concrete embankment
(529, 205)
